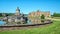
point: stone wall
(35, 17)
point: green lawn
(0, 17)
(53, 28)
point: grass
(0, 16)
(53, 28)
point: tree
(42, 16)
(0, 14)
(56, 15)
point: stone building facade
(35, 17)
(17, 11)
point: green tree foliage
(56, 15)
(7, 14)
(0, 14)
(42, 16)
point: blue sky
(26, 6)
